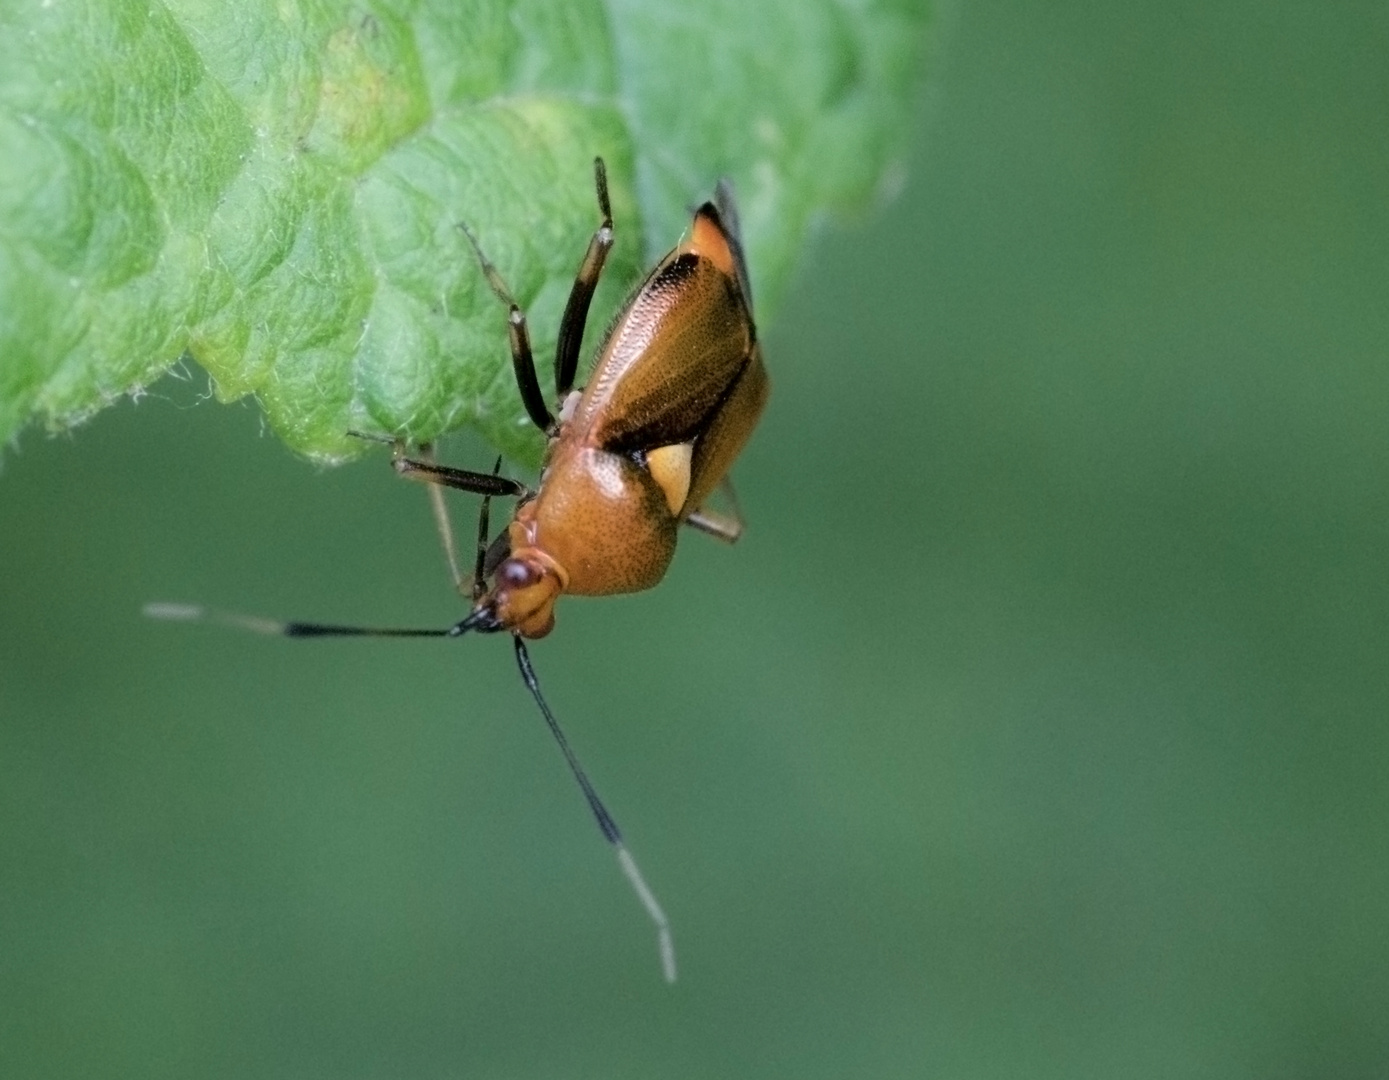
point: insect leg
(441, 519)
(665, 942)
(480, 561)
(571, 327)
(720, 526)
(426, 469)
(462, 479)
(522, 361)
(727, 526)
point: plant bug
(675, 392)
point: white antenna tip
(664, 941)
(667, 947)
(173, 612)
(198, 613)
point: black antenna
(664, 941)
(483, 620)
(276, 628)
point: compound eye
(515, 574)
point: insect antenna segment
(481, 619)
(664, 941)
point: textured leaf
(274, 188)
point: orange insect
(675, 392)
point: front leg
(429, 473)
(462, 479)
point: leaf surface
(274, 189)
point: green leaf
(274, 187)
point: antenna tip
(667, 946)
(664, 941)
(173, 612)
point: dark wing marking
(670, 358)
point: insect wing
(727, 432)
(675, 353)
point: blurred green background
(1038, 727)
